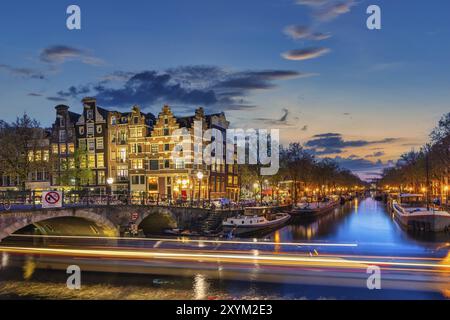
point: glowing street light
(200, 178)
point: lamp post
(199, 177)
(109, 182)
(446, 194)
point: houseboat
(255, 219)
(413, 213)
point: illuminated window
(71, 148)
(63, 148)
(55, 149)
(101, 177)
(179, 163)
(46, 155)
(91, 161)
(99, 143)
(100, 160)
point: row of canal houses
(129, 152)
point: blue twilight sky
(308, 67)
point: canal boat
(313, 209)
(412, 213)
(255, 219)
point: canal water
(365, 223)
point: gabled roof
(74, 117)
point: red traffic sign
(51, 199)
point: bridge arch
(20, 220)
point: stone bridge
(102, 220)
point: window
(101, 177)
(137, 164)
(123, 155)
(167, 164)
(138, 179)
(154, 165)
(99, 143)
(55, 149)
(166, 147)
(91, 161)
(82, 144)
(45, 155)
(123, 137)
(136, 120)
(61, 121)
(90, 129)
(136, 148)
(155, 148)
(166, 132)
(62, 135)
(99, 129)
(62, 148)
(71, 148)
(135, 132)
(90, 114)
(122, 174)
(81, 130)
(113, 120)
(91, 145)
(179, 163)
(100, 160)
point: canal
(364, 225)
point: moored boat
(255, 219)
(413, 214)
(313, 209)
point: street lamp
(446, 193)
(199, 177)
(109, 181)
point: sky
(310, 68)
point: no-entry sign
(51, 199)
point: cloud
(364, 168)
(333, 10)
(190, 85)
(327, 10)
(305, 54)
(376, 154)
(333, 143)
(56, 99)
(59, 54)
(297, 32)
(23, 72)
(33, 94)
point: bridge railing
(29, 200)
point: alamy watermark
(241, 146)
(374, 279)
(74, 280)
